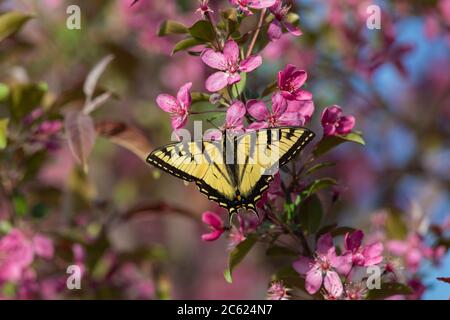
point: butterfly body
(234, 171)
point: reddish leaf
(80, 135)
(126, 136)
(444, 279)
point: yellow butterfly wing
(263, 151)
(201, 162)
(234, 172)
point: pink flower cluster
(17, 253)
(329, 269)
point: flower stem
(255, 36)
(211, 20)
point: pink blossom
(234, 122)
(304, 109)
(363, 255)
(229, 65)
(43, 246)
(234, 119)
(177, 107)
(215, 223)
(444, 7)
(290, 82)
(279, 22)
(49, 127)
(334, 121)
(277, 291)
(246, 5)
(324, 268)
(278, 116)
(16, 255)
(413, 250)
(418, 289)
(204, 8)
(247, 224)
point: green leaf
(311, 214)
(39, 210)
(238, 88)
(4, 92)
(11, 22)
(329, 142)
(319, 184)
(172, 27)
(203, 30)
(231, 20)
(5, 226)
(199, 97)
(237, 255)
(395, 226)
(387, 290)
(24, 98)
(319, 166)
(290, 277)
(230, 14)
(3, 133)
(276, 251)
(20, 205)
(186, 44)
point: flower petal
(333, 284)
(235, 113)
(279, 104)
(302, 95)
(167, 102)
(298, 78)
(212, 235)
(214, 59)
(331, 114)
(342, 264)
(325, 243)
(257, 109)
(260, 4)
(257, 125)
(217, 81)
(294, 30)
(250, 64)
(313, 280)
(303, 265)
(184, 96)
(346, 124)
(275, 31)
(305, 108)
(212, 219)
(353, 240)
(397, 247)
(291, 119)
(231, 51)
(179, 121)
(234, 78)
(373, 254)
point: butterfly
(235, 170)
